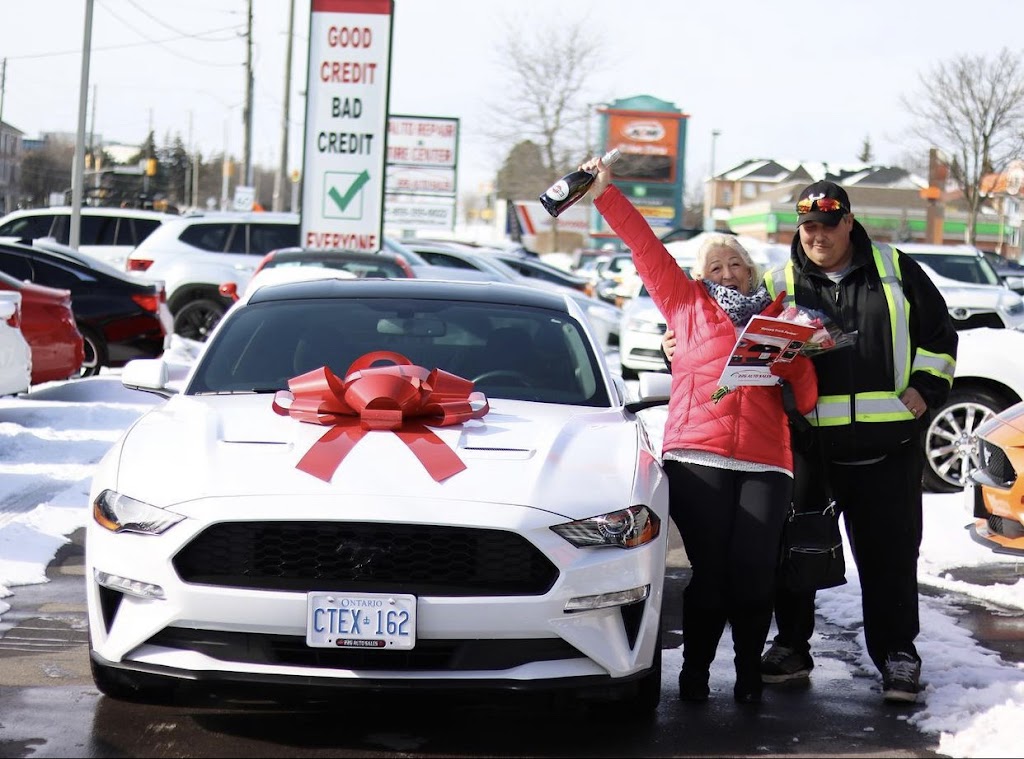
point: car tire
(134, 687)
(95, 353)
(197, 318)
(950, 440)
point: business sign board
(422, 161)
(419, 212)
(651, 137)
(345, 148)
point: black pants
(881, 506)
(731, 525)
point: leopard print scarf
(737, 306)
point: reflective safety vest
(877, 405)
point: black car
(118, 315)
(537, 269)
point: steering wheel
(516, 377)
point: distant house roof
(768, 171)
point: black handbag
(812, 550)
(812, 545)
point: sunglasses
(828, 205)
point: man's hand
(914, 401)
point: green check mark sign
(342, 201)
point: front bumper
(235, 634)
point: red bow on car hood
(401, 398)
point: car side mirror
(1014, 283)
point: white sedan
(308, 511)
(15, 352)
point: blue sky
(784, 80)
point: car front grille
(976, 320)
(442, 655)
(365, 557)
(997, 465)
(1007, 528)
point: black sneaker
(782, 665)
(901, 678)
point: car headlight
(628, 528)
(639, 324)
(118, 513)
(1011, 304)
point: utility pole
(709, 191)
(3, 87)
(281, 180)
(78, 168)
(92, 146)
(247, 115)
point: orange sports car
(995, 491)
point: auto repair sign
(346, 124)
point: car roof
(134, 213)
(484, 292)
(226, 217)
(932, 248)
(316, 254)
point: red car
(49, 328)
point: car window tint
(28, 227)
(441, 259)
(60, 229)
(133, 231)
(264, 238)
(508, 351)
(55, 275)
(210, 237)
(98, 230)
(16, 265)
(237, 242)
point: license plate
(361, 620)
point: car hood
(572, 461)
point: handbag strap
(801, 426)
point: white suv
(107, 234)
(195, 254)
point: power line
(138, 44)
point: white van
(107, 234)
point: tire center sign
(346, 122)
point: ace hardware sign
(346, 124)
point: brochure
(764, 341)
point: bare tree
(972, 108)
(544, 102)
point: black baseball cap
(824, 202)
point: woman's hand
(604, 176)
(668, 344)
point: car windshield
(509, 351)
(963, 268)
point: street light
(709, 192)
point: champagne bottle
(570, 188)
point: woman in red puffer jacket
(729, 463)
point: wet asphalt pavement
(49, 707)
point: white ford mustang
(305, 512)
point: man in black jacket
(876, 396)
(865, 441)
